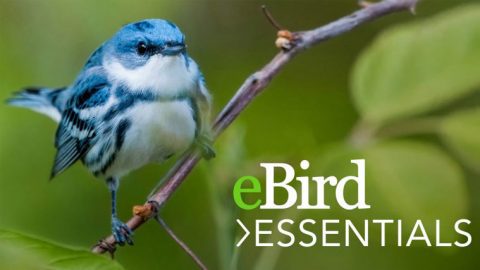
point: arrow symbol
(247, 233)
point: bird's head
(136, 43)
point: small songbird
(139, 99)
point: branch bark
(254, 85)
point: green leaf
(419, 67)
(461, 132)
(418, 181)
(19, 251)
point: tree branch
(181, 243)
(254, 85)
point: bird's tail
(43, 100)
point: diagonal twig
(254, 85)
(180, 243)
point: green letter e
(238, 190)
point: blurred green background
(307, 113)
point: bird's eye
(141, 48)
(169, 44)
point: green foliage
(417, 180)
(19, 251)
(415, 68)
(401, 86)
(461, 131)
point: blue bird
(139, 99)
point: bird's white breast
(158, 130)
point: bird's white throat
(169, 75)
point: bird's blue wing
(79, 124)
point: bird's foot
(122, 233)
(204, 143)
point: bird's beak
(173, 50)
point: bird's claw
(110, 248)
(122, 233)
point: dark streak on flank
(122, 128)
(195, 113)
(98, 159)
(107, 165)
